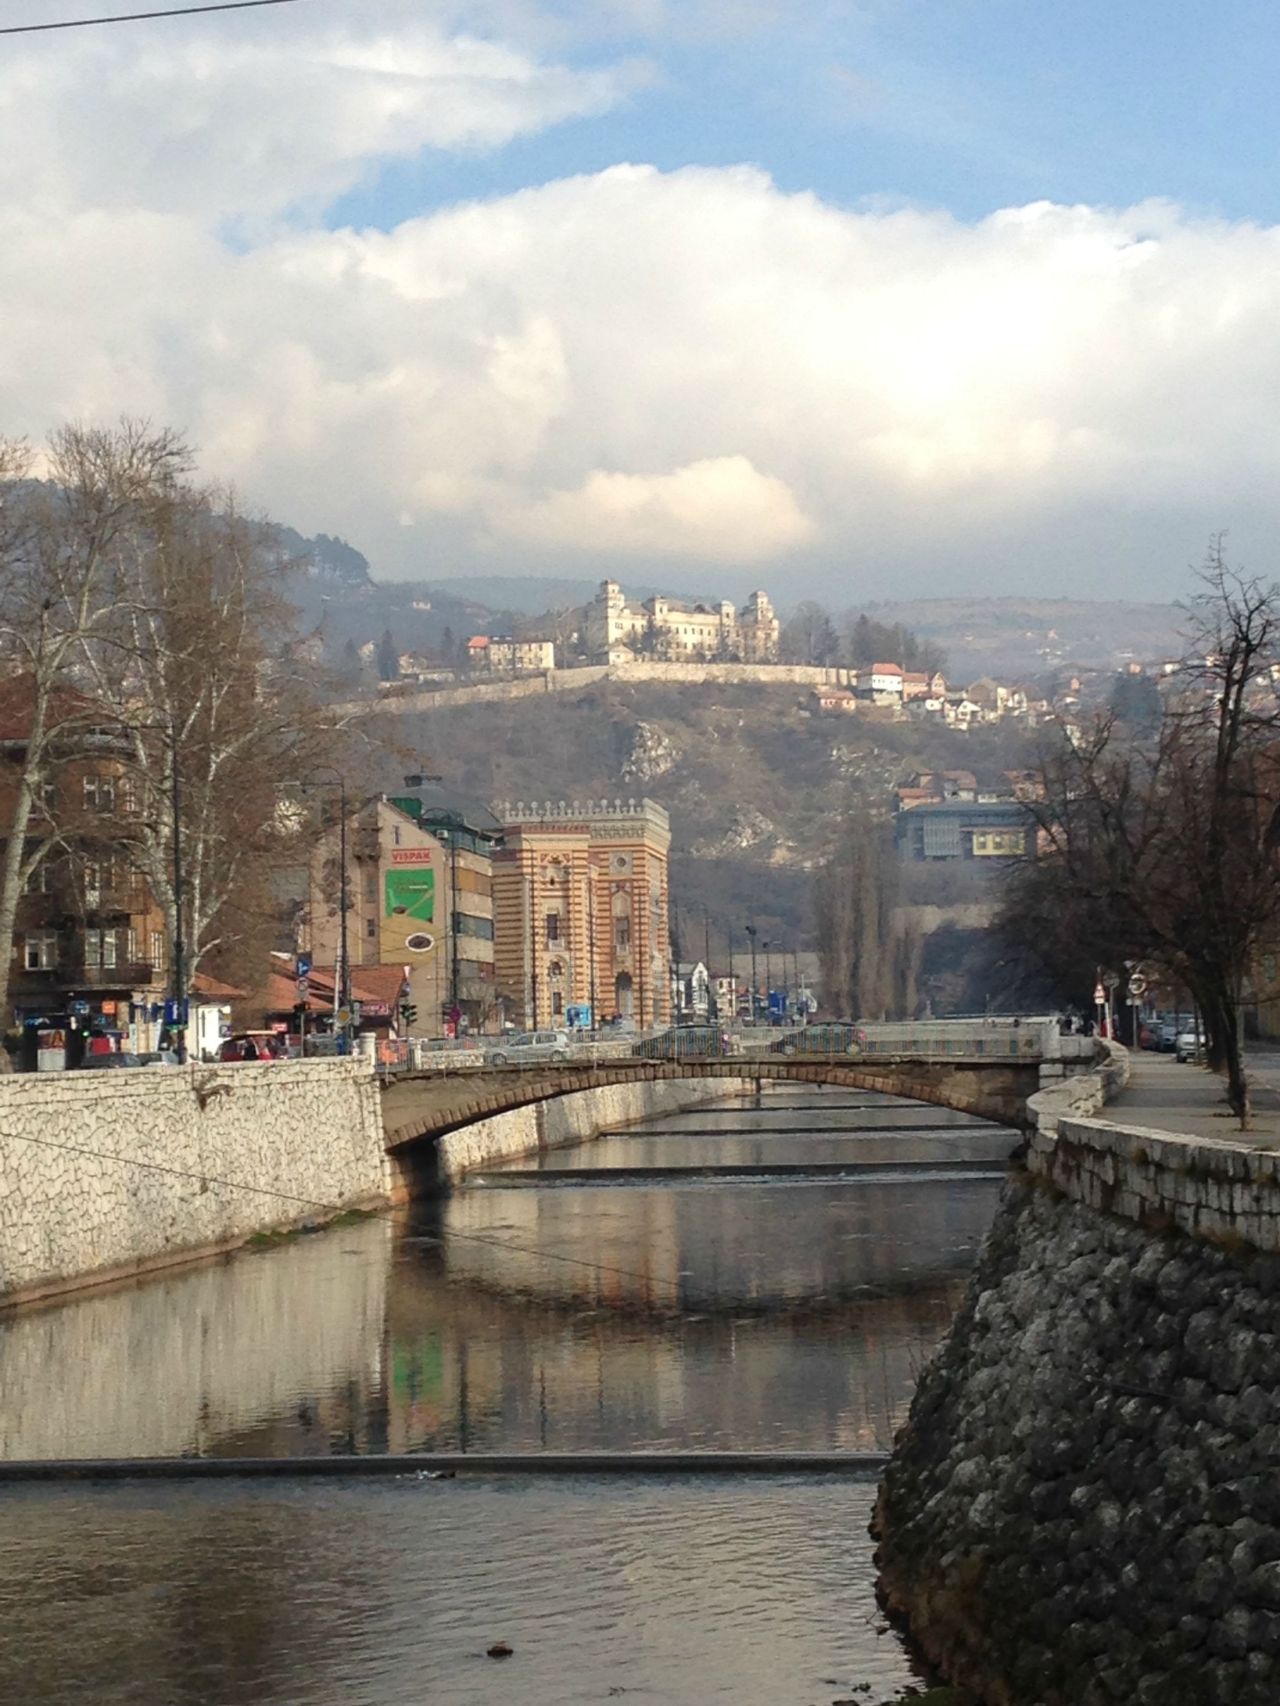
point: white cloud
(687, 368)
(720, 510)
(239, 118)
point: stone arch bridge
(420, 1107)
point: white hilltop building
(675, 629)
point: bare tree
(211, 698)
(65, 543)
(1167, 850)
(869, 960)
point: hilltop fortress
(614, 631)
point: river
(622, 1294)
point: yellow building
(580, 902)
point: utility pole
(713, 1006)
(752, 933)
(733, 983)
(179, 942)
(768, 981)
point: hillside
(755, 785)
(1025, 638)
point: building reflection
(598, 1317)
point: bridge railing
(962, 1038)
(1031, 1039)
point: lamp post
(444, 824)
(179, 939)
(752, 933)
(768, 980)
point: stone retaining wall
(107, 1174)
(577, 677)
(1084, 1506)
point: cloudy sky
(843, 297)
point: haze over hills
(1014, 638)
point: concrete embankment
(1084, 1506)
(110, 1174)
(574, 1118)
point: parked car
(686, 1042)
(115, 1060)
(530, 1045)
(255, 1045)
(837, 1036)
(1188, 1046)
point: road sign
(301, 966)
(1137, 985)
(304, 988)
(1099, 995)
(1111, 978)
(343, 1016)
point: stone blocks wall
(571, 1119)
(114, 1172)
(1084, 1506)
(1210, 1187)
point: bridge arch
(419, 1108)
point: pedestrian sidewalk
(1191, 1102)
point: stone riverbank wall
(572, 1119)
(1084, 1506)
(105, 1174)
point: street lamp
(768, 981)
(752, 933)
(444, 824)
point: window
(38, 881)
(131, 945)
(371, 927)
(99, 950)
(553, 928)
(48, 795)
(622, 933)
(371, 885)
(157, 948)
(100, 793)
(41, 952)
(557, 1003)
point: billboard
(408, 905)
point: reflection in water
(697, 1592)
(687, 1314)
(704, 1314)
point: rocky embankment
(1084, 1507)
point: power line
(140, 17)
(205, 1180)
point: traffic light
(408, 1013)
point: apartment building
(419, 899)
(580, 898)
(90, 943)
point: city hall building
(580, 901)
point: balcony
(129, 974)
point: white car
(1187, 1046)
(531, 1045)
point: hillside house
(881, 683)
(839, 701)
